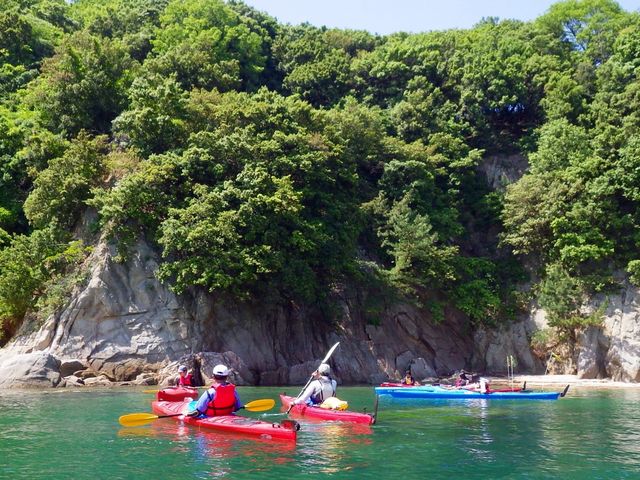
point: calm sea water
(74, 434)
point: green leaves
(60, 190)
(31, 264)
(207, 46)
(83, 85)
(276, 161)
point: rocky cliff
(124, 325)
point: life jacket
(409, 381)
(327, 389)
(185, 381)
(224, 401)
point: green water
(590, 434)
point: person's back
(321, 388)
(326, 387)
(220, 399)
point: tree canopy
(280, 162)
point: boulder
(99, 381)
(240, 374)
(70, 366)
(73, 381)
(145, 379)
(85, 374)
(36, 369)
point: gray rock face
(613, 349)
(37, 369)
(501, 170)
(125, 324)
(494, 346)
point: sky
(388, 16)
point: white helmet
(220, 371)
(324, 369)
(182, 368)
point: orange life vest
(185, 381)
(224, 401)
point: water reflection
(328, 447)
(217, 454)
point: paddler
(185, 379)
(220, 399)
(408, 379)
(321, 387)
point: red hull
(326, 414)
(228, 423)
(177, 394)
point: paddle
(324, 360)
(138, 419)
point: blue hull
(462, 394)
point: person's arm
(205, 398)
(306, 394)
(238, 404)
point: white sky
(388, 16)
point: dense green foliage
(280, 162)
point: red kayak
(286, 430)
(177, 394)
(327, 414)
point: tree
(83, 86)
(206, 45)
(134, 22)
(420, 260)
(153, 123)
(61, 190)
(27, 265)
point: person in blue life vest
(321, 387)
(185, 379)
(220, 399)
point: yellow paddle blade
(150, 391)
(136, 419)
(260, 405)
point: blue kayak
(435, 391)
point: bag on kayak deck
(334, 403)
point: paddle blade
(136, 419)
(260, 405)
(324, 360)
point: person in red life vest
(185, 379)
(220, 399)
